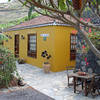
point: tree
(69, 12)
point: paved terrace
(52, 84)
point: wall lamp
(22, 37)
(10, 37)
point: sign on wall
(44, 36)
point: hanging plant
(77, 4)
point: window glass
(73, 40)
(32, 45)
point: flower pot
(46, 67)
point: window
(32, 45)
(73, 40)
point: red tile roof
(35, 21)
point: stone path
(52, 84)
(24, 94)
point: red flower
(87, 63)
(94, 33)
(83, 46)
(86, 59)
(89, 30)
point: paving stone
(25, 94)
(53, 84)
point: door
(16, 45)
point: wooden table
(84, 79)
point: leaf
(62, 5)
(69, 1)
(30, 12)
(25, 3)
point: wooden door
(16, 45)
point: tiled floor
(52, 84)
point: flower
(87, 63)
(83, 46)
(85, 59)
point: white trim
(34, 26)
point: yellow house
(29, 39)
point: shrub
(7, 67)
(95, 38)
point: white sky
(3, 1)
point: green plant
(7, 67)
(21, 61)
(18, 21)
(94, 36)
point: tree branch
(63, 12)
(83, 6)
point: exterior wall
(57, 45)
(62, 48)
(10, 43)
(41, 44)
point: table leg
(74, 84)
(85, 85)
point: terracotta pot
(77, 4)
(46, 67)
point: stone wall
(87, 62)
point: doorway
(17, 45)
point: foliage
(3, 37)
(95, 38)
(30, 12)
(7, 67)
(62, 5)
(16, 22)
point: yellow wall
(62, 48)
(57, 44)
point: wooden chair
(94, 85)
(69, 70)
(72, 69)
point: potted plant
(46, 64)
(21, 61)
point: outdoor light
(10, 37)
(7, 35)
(22, 37)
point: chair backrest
(69, 69)
(83, 68)
(90, 70)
